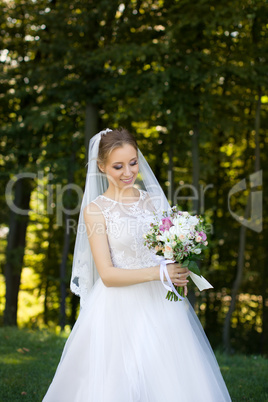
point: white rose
(185, 213)
(198, 239)
(175, 220)
(197, 251)
(206, 243)
(168, 255)
(164, 236)
(173, 231)
(193, 220)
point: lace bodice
(125, 225)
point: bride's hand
(178, 275)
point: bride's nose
(127, 171)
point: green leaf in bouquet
(185, 263)
(203, 247)
(194, 268)
(195, 257)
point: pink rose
(203, 235)
(166, 224)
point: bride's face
(122, 166)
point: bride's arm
(110, 275)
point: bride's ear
(101, 168)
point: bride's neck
(118, 194)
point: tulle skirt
(130, 344)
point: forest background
(189, 79)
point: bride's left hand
(183, 276)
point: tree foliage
(186, 79)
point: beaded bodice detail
(125, 225)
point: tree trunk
(91, 124)
(47, 267)
(171, 172)
(66, 247)
(15, 249)
(91, 128)
(242, 238)
(263, 340)
(45, 303)
(237, 282)
(195, 163)
(74, 307)
(195, 181)
(257, 133)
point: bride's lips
(127, 181)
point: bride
(129, 344)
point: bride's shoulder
(93, 211)
(92, 207)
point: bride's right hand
(177, 274)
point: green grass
(28, 360)
(246, 377)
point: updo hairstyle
(114, 139)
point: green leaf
(195, 257)
(185, 263)
(193, 267)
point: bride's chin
(124, 185)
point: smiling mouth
(128, 181)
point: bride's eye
(132, 164)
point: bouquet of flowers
(179, 237)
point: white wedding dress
(130, 344)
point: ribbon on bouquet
(163, 270)
(199, 281)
